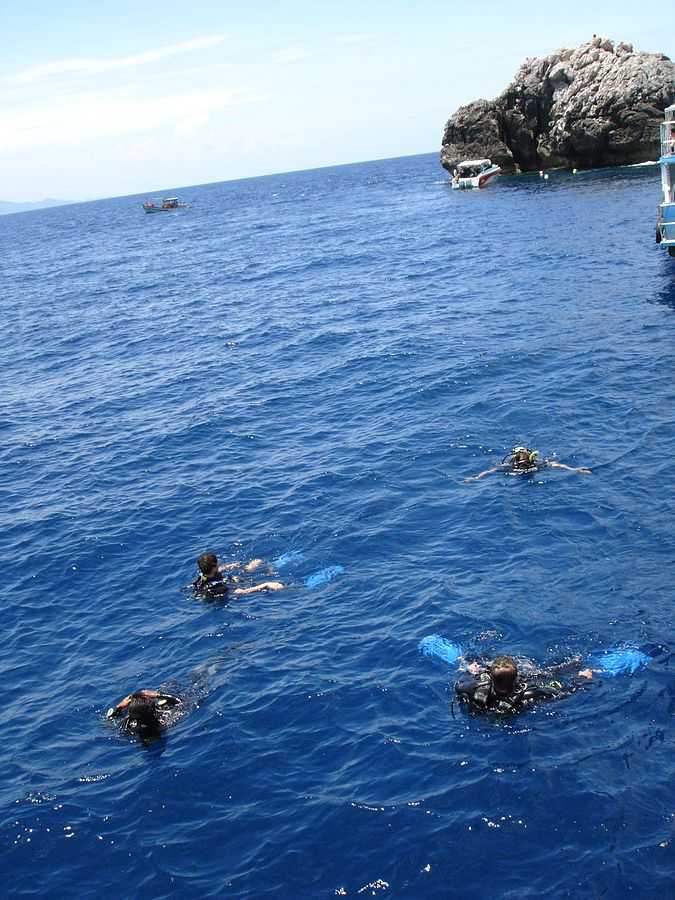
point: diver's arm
(538, 693)
(483, 474)
(167, 700)
(569, 667)
(115, 711)
(578, 682)
(466, 685)
(265, 586)
(556, 690)
(250, 566)
(552, 464)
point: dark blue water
(314, 362)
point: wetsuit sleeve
(167, 700)
(579, 683)
(119, 708)
(536, 693)
(553, 690)
(465, 686)
(570, 667)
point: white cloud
(349, 39)
(94, 65)
(87, 126)
(294, 55)
(92, 116)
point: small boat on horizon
(474, 173)
(665, 222)
(167, 204)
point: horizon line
(223, 181)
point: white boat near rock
(474, 173)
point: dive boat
(168, 204)
(665, 222)
(474, 173)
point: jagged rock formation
(597, 105)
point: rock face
(598, 105)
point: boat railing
(667, 139)
(666, 223)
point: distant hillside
(6, 207)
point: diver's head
(142, 716)
(504, 672)
(523, 457)
(208, 564)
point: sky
(102, 100)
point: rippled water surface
(312, 364)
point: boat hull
(665, 225)
(164, 209)
(477, 181)
(167, 204)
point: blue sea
(306, 368)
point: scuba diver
(213, 580)
(523, 461)
(498, 687)
(146, 712)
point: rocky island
(597, 105)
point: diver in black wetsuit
(497, 687)
(213, 580)
(145, 713)
(523, 461)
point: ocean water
(308, 366)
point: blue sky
(107, 99)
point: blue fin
(323, 576)
(435, 645)
(624, 661)
(286, 559)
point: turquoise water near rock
(306, 367)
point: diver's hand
(585, 673)
(265, 586)
(483, 474)
(253, 565)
